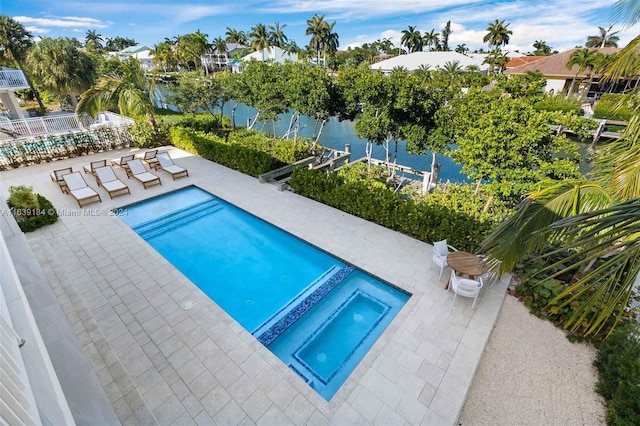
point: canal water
(336, 134)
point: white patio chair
(465, 287)
(440, 251)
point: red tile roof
(522, 60)
(556, 65)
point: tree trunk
(33, 89)
(477, 191)
(487, 204)
(233, 115)
(74, 100)
(152, 121)
(368, 149)
(315, 141)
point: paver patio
(162, 364)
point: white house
(221, 60)
(273, 53)
(432, 60)
(141, 53)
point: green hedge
(607, 107)
(618, 363)
(246, 151)
(378, 204)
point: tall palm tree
(445, 33)
(431, 40)
(93, 40)
(235, 36)
(317, 28)
(61, 68)
(583, 59)
(412, 39)
(259, 38)
(15, 42)
(277, 35)
(332, 40)
(498, 34)
(606, 38)
(220, 45)
(191, 47)
(132, 93)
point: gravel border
(530, 374)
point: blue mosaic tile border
(326, 380)
(302, 376)
(307, 303)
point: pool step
(271, 329)
(174, 219)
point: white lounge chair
(166, 163)
(57, 177)
(122, 161)
(91, 167)
(440, 251)
(107, 179)
(79, 189)
(139, 172)
(150, 157)
(465, 287)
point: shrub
(607, 107)
(144, 136)
(618, 363)
(374, 202)
(559, 103)
(32, 211)
(202, 122)
(22, 198)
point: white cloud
(64, 21)
(36, 30)
(77, 30)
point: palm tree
(496, 60)
(163, 55)
(15, 42)
(541, 48)
(452, 69)
(584, 59)
(446, 32)
(260, 39)
(462, 48)
(606, 38)
(191, 47)
(235, 36)
(276, 35)
(61, 68)
(594, 218)
(498, 34)
(332, 40)
(431, 40)
(93, 40)
(220, 45)
(132, 93)
(412, 39)
(317, 28)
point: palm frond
(613, 232)
(626, 12)
(528, 230)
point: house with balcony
(220, 60)
(11, 80)
(269, 54)
(18, 128)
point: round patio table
(466, 263)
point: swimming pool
(318, 314)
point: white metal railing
(56, 124)
(12, 79)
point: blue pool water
(318, 314)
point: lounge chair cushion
(113, 185)
(75, 182)
(82, 193)
(105, 174)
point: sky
(562, 24)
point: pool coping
(418, 371)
